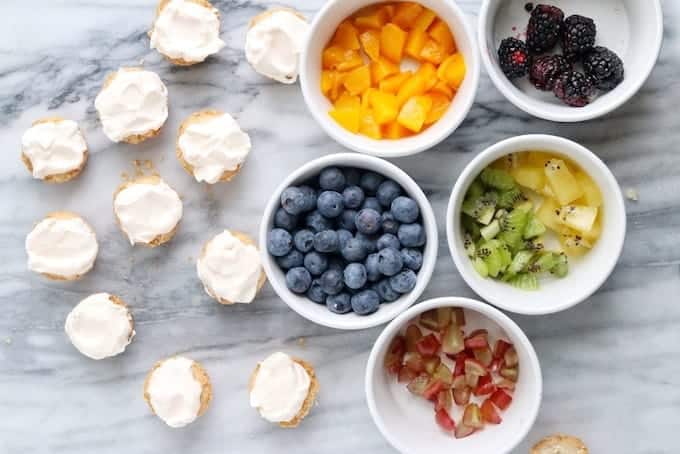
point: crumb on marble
(141, 61)
(8, 340)
(632, 194)
(302, 341)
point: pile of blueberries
(350, 239)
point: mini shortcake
(211, 146)
(560, 444)
(54, 150)
(283, 389)
(147, 210)
(274, 42)
(177, 390)
(100, 326)
(230, 269)
(186, 32)
(62, 247)
(132, 105)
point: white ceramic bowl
(318, 313)
(586, 274)
(631, 28)
(322, 30)
(407, 421)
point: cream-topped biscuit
(211, 146)
(178, 390)
(62, 246)
(560, 444)
(132, 105)
(274, 43)
(186, 31)
(100, 326)
(147, 210)
(230, 268)
(54, 150)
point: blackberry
(513, 58)
(546, 69)
(544, 29)
(574, 88)
(604, 67)
(528, 7)
(578, 36)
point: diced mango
(395, 131)
(331, 84)
(347, 118)
(392, 83)
(452, 70)
(385, 107)
(440, 104)
(414, 113)
(390, 9)
(562, 181)
(347, 101)
(443, 88)
(358, 80)
(432, 52)
(406, 14)
(412, 87)
(424, 20)
(415, 43)
(381, 69)
(373, 19)
(441, 33)
(392, 41)
(368, 125)
(366, 98)
(370, 42)
(428, 73)
(335, 57)
(346, 36)
(529, 177)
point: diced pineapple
(562, 182)
(548, 214)
(537, 158)
(591, 193)
(578, 217)
(529, 177)
(510, 162)
(593, 234)
(574, 244)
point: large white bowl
(318, 313)
(586, 274)
(407, 421)
(322, 29)
(631, 28)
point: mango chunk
(346, 36)
(382, 68)
(424, 20)
(428, 73)
(337, 58)
(441, 33)
(432, 52)
(391, 84)
(358, 80)
(331, 84)
(443, 88)
(373, 19)
(395, 131)
(440, 104)
(385, 107)
(415, 43)
(412, 87)
(347, 101)
(406, 14)
(392, 41)
(370, 42)
(368, 125)
(414, 113)
(347, 118)
(452, 70)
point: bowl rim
(340, 321)
(498, 317)
(547, 111)
(401, 147)
(563, 146)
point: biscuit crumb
(632, 194)
(302, 341)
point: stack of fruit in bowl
(391, 70)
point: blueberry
(373, 204)
(412, 258)
(309, 198)
(388, 240)
(365, 302)
(389, 224)
(368, 221)
(336, 263)
(316, 263)
(389, 261)
(339, 304)
(330, 204)
(331, 282)
(369, 241)
(370, 181)
(372, 271)
(403, 282)
(411, 235)
(285, 220)
(326, 241)
(315, 293)
(293, 259)
(347, 220)
(405, 209)
(387, 192)
(293, 200)
(303, 240)
(317, 222)
(279, 242)
(298, 280)
(354, 250)
(387, 294)
(332, 179)
(352, 176)
(355, 276)
(353, 196)
(343, 237)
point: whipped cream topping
(214, 146)
(98, 327)
(230, 269)
(134, 102)
(186, 30)
(174, 393)
(274, 43)
(147, 210)
(54, 147)
(62, 247)
(280, 388)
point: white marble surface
(611, 365)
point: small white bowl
(631, 28)
(408, 422)
(318, 313)
(586, 274)
(322, 30)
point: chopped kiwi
(481, 208)
(480, 266)
(470, 227)
(520, 262)
(475, 190)
(508, 199)
(534, 227)
(512, 230)
(470, 247)
(498, 179)
(544, 262)
(561, 268)
(490, 231)
(525, 281)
